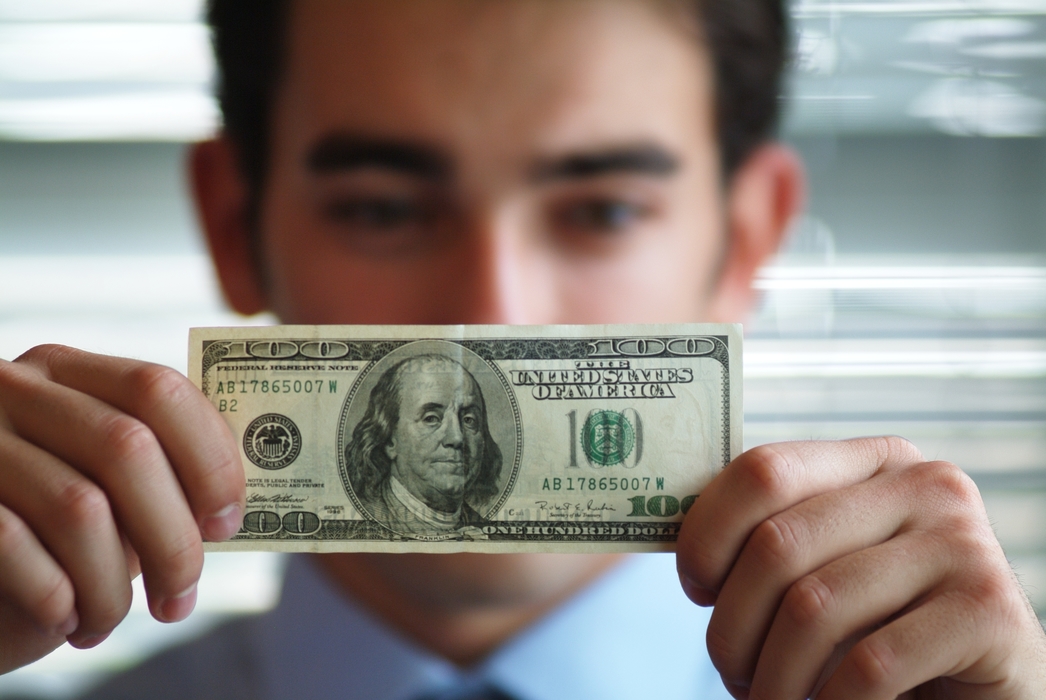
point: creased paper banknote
(472, 438)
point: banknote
(472, 438)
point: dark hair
(368, 465)
(747, 41)
(748, 44)
(248, 38)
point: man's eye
(432, 419)
(470, 421)
(602, 215)
(377, 212)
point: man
(422, 451)
(518, 161)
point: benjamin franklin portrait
(422, 459)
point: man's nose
(451, 430)
(505, 274)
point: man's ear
(220, 194)
(765, 195)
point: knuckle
(183, 559)
(43, 354)
(697, 559)
(42, 359)
(997, 591)
(873, 662)
(222, 475)
(810, 602)
(129, 440)
(8, 372)
(13, 532)
(776, 542)
(84, 506)
(994, 597)
(769, 471)
(18, 374)
(53, 602)
(947, 485)
(108, 614)
(156, 385)
(955, 483)
(724, 654)
(896, 448)
(972, 541)
(48, 603)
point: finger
(197, 441)
(763, 482)
(120, 454)
(71, 518)
(828, 607)
(33, 581)
(5, 424)
(20, 642)
(134, 564)
(940, 638)
(788, 546)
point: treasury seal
(272, 441)
(607, 438)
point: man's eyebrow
(640, 159)
(341, 152)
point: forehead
(433, 381)
(468, 72)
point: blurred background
(911, 299)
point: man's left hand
(807, 548)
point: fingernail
(223, 524)
(69, 626)
(89, 642)
(178, 608)
(699, 595)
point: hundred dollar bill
(472, 438)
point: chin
(495, 580)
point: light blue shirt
(632, 633)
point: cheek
(663, 282)
(474, 445)
(315, 280)
(665, 275)
(411, 444)
(422, 441)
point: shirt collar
(421, 510)
(629, 629)
(631, 634)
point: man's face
(437, 445)
(469, 161)
(473, 161)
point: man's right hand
(108, 467)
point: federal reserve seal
(272, 441)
